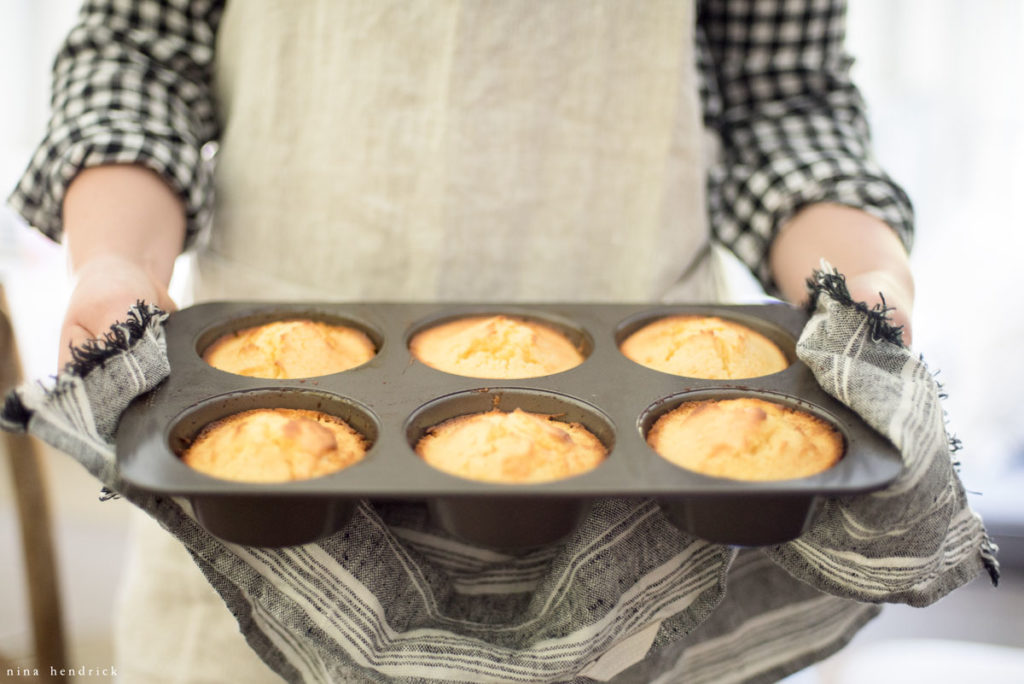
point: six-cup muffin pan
(393, 399)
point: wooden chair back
(24, 457)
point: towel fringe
(108, 494)
(831, 282)
(15, 415)
(93, 353)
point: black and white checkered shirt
(132, 84)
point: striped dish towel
(629, 598)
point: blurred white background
(945, 93)
(946, 97)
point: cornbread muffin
(703, 347)
(746, 439)
(495, 347)
(275, 445)
(516, 447)
(290, 349)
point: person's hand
(123, 226)
(872, 287)
(861, 247)
(105, 288)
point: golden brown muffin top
(703, 347)
(290, 349)
(275, 445)
(746, 439)
(515, 447)
(495, 347)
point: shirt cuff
(747, 216)
(39, 195)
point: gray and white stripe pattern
(389, 598)
(924, 513)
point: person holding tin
(422, 151)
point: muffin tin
(393, 399)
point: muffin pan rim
(773, 332)
(206, 336)
(497, 395)
(581, 338)
(255, 397)
(646, 420)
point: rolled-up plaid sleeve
(131, 85)
(792, 125)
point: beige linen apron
(426, 150)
